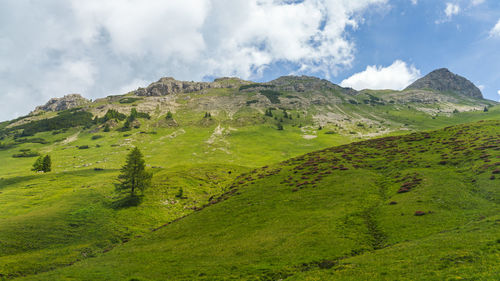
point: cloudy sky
(103, 47)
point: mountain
(445, 81)
(210, 145)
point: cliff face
(168, 85)
(66, 102)
(445, 81)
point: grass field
(338, 213)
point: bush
(95, 137)
(255, 85)
(26, 153)
(129, 100)
(83, 147)
(249, 102)
(64, 120)
(111, 114)
(271, 95)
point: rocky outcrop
(307, 83)
(168, 85)
(445, 81)
(64, 103)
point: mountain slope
(445, 81)
(369, 208)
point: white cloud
(498, 92)
(481, 87)
(53, 47)
(495, 31)
(396, 76)
(476, 2)
(414, 2)
(451, 10)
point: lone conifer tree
(47, 164)
(133, 175)
(38, 165)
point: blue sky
(97, 48)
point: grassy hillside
(49, 221)
(420, 206)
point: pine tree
(38, 165)
(269, 112)
(47, 164)
(42, 164)
(126, 125)
(133, 175)
(169, 115)
(133, 114)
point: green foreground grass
(418, 207)
(53, 220)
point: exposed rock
(445, 81)
(168, 85)
(64, 103)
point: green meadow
(311, 201)
(419, 206)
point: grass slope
(420, 206)
(54, 220)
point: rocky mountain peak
(64, 103)
(444, 80)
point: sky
(98, 48)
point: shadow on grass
(127, 202)
(15, 180)
(4, 182)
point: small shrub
(129, 100)
(95, 137)
(83, 147)
(26, 153)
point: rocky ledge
(64, 103)
(168, 85)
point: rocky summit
(444, 80)
(67, 102)
(168, 85)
